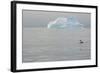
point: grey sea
(44, 45)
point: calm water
(42, 45)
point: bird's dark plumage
(81, 41)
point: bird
(81, 42)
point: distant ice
(65, 23)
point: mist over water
(55, 36)
(44, 45)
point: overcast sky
(32, 18)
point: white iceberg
(65, 23)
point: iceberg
(65, 23)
